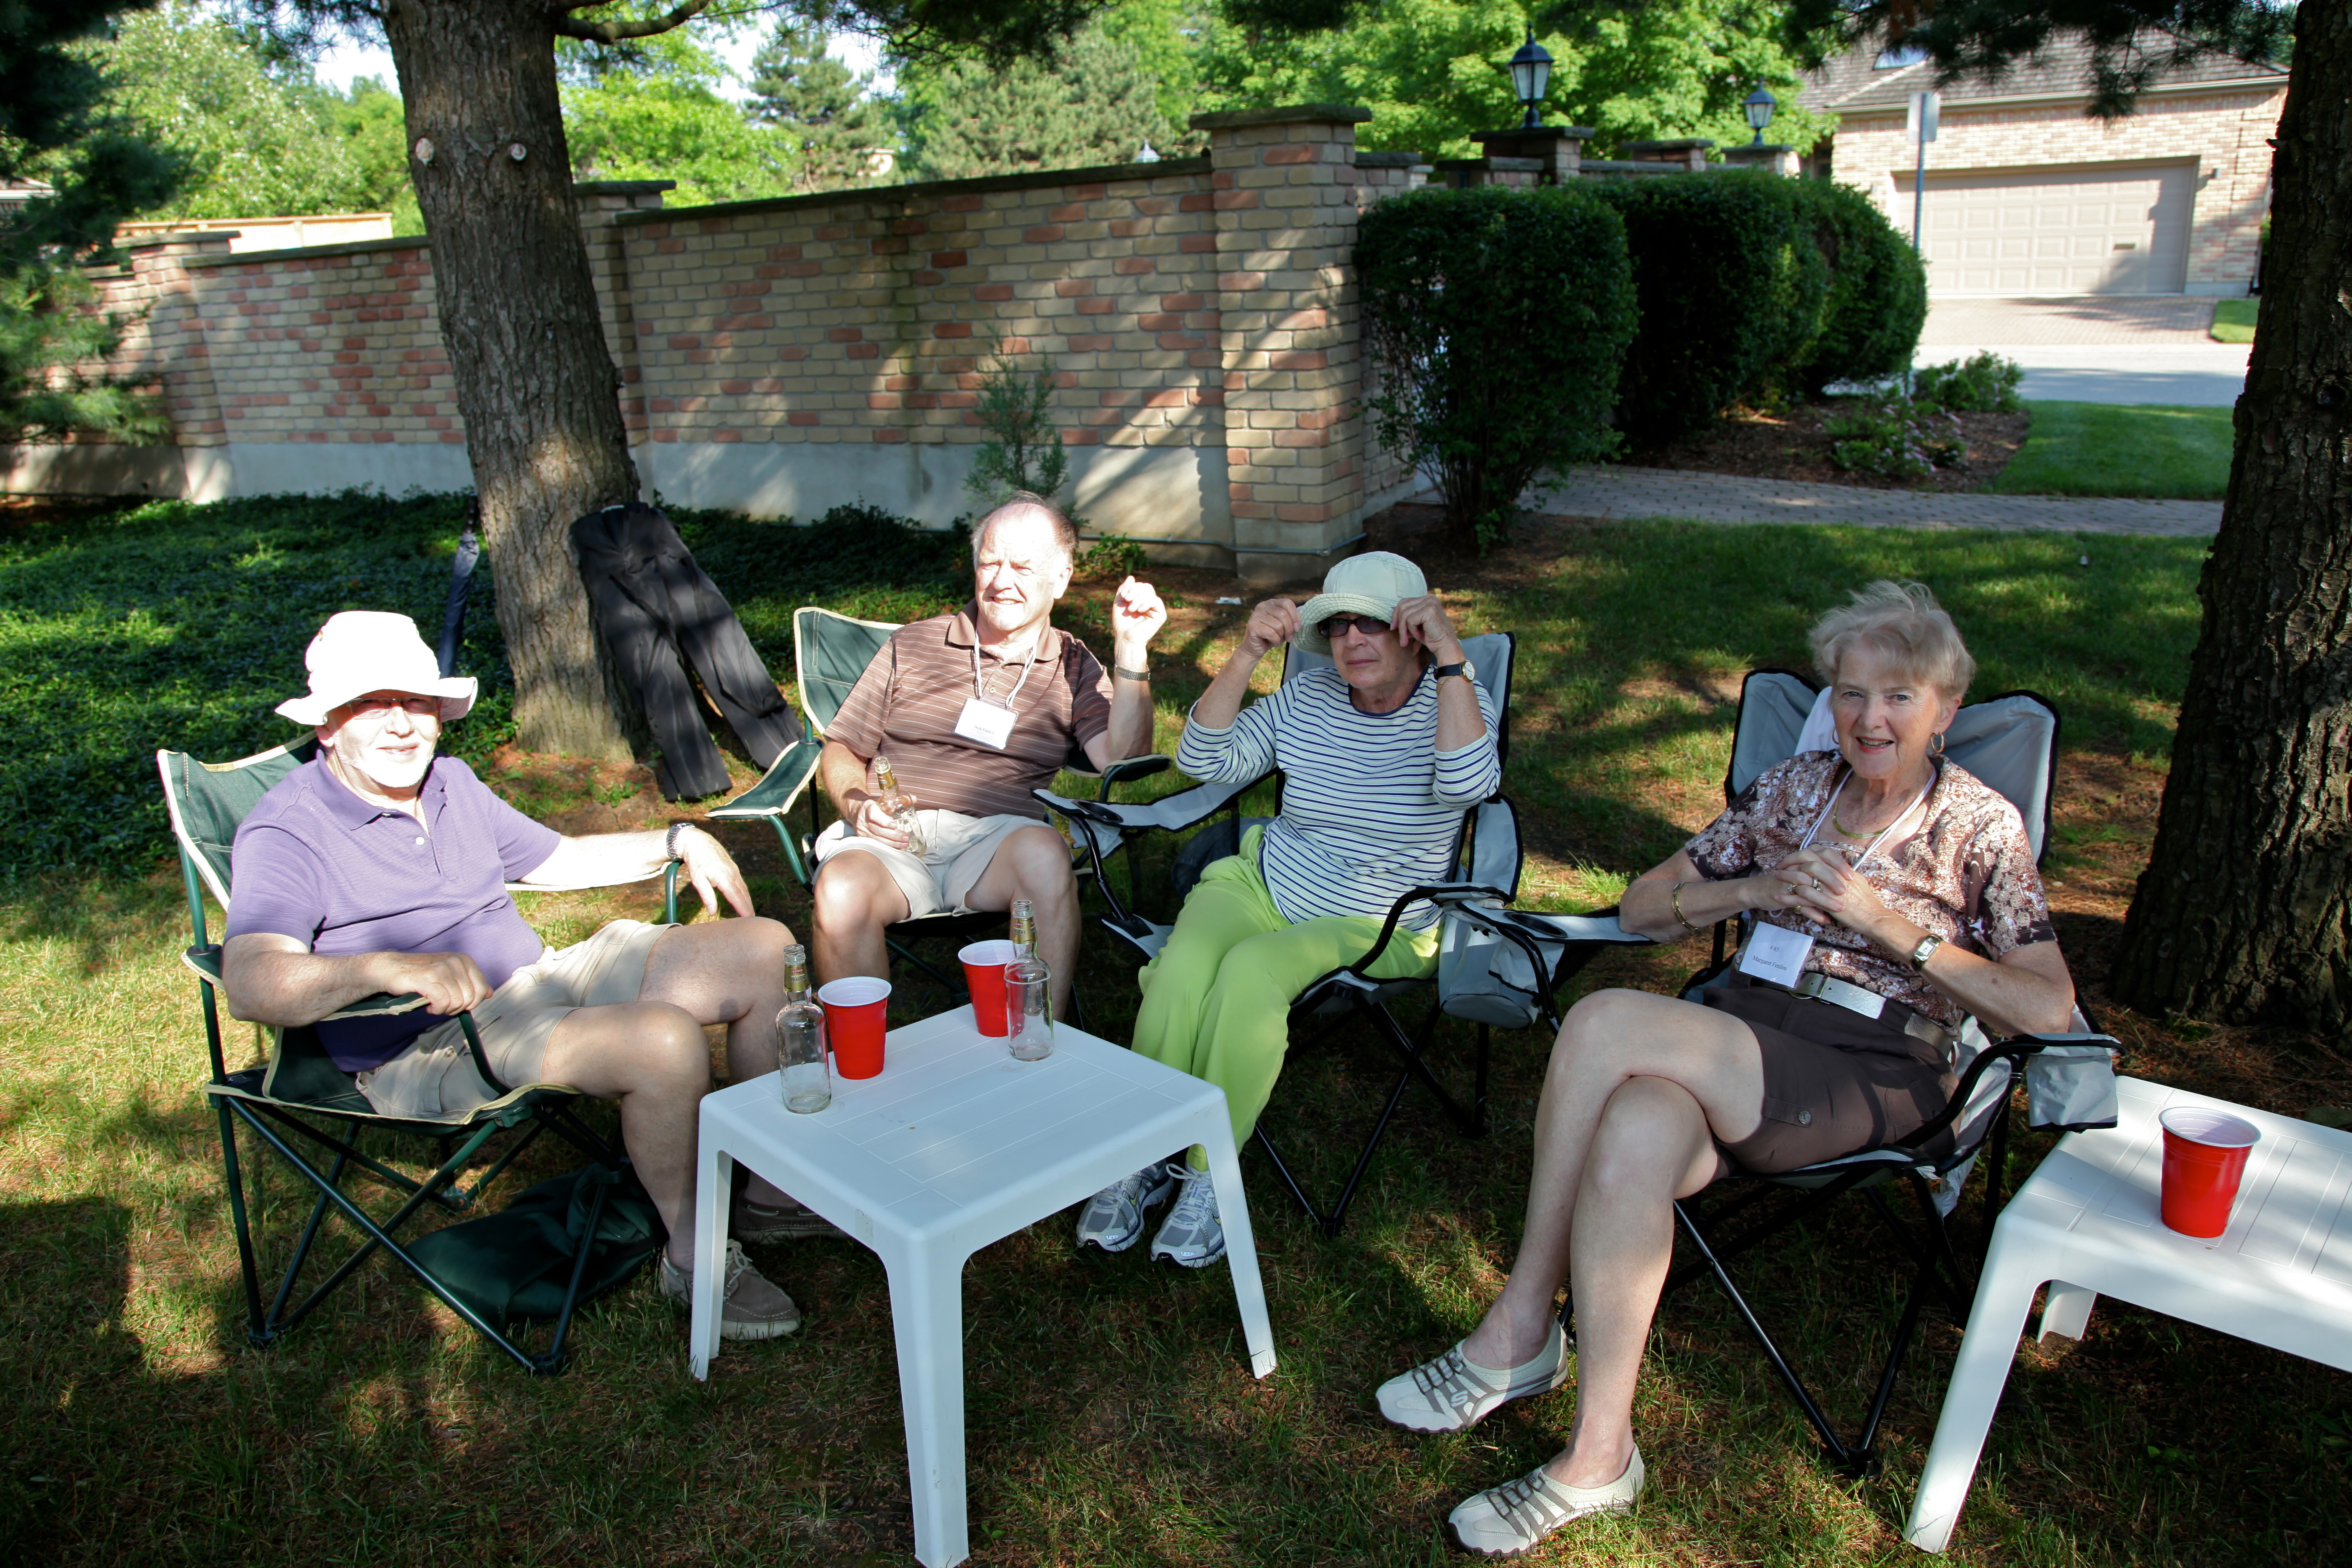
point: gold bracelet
(1677, 902)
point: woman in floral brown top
(1894, 895)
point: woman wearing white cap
(1381, 755)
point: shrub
(1730, 287)
(1024, 449)
(1896, 437)
(1981, 384)
(1113, 555)
(1497, 319)
(1877, 296)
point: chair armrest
(1129, 768)
(1600, 927)
(1175, 813)
(206, 964)
(778, 789)
(1442, 894)
(2010, 1051)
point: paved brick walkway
(2148, 319)
(1728, 498)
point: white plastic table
(954, 1145)
(2085, 1222)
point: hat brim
(1323, 606)
(456, 694)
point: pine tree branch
(568, 26)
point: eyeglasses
(377, 708)
(1337, 626)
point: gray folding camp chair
(300, 1097)
(830, 651)
(2010, 741)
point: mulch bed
(1795, 443)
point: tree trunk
(2244, 912)
(534, 381)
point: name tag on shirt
(986, 723)
(1775, 954)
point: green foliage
(1877, 297)
(1090, 101)
(1432, 72)
(1896, 438)
(369, 118)
(2109, 449)
(1169, 37)
(826, 113)
(1982, 384)
(1024, 449)
(627, 127)
(1731, 288)
(1113, 555)
(1497, 319)
(49, 329)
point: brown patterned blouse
(1967, 875)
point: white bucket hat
(1372, 583)
(360, 651)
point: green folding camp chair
(299, 1098)
(830, 651)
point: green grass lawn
(1110, 1416)
(2151, 450)
(2233, 321)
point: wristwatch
(1462, 667)
(1924, 951)
(669, 844)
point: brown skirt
(1834, 1081)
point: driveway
(2105, 347)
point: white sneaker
(1509, 1519)
(1113, 1218)
(1193, 1234)
(1454, 1394)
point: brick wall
(781, 357)
(2227, 132)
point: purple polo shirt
(315, 862)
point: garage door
(2100, 229)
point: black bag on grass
(517, 1263)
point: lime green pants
(1216, 1002)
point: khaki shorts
(957, 850)
(434, 1079)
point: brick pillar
(1284, 184)
(1772, 157)
(176, 354)
(600, 204)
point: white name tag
(986, 723)
(1775, 954)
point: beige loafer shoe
(1510, 1520)
(755, 1308)
(1454, 1394)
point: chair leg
(256, 1328)
(331, 1182)
(1282, 1170)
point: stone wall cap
(1631, 166)
(1534, 132)
(621, 188)
(344, 247)
(1294, 114)
(1098, 173)
(1681, 145)
(1365, 160)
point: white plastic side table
(953, 1146)
(2086, 1224)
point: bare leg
(1609, 1038)
(730, 973)
(1034, 864)
(856, 899)
(653, 1058)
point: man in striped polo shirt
(974, 711)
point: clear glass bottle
(1028, 991)
(900, 807)
(804, 1077)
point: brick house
(2027, 194)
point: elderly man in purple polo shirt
(378, 867)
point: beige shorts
(432, 1080)
(957, 850)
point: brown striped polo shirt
(906, 705)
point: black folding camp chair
(1486, 862)
(830, 652)
(2010, 743)
(300, 1099)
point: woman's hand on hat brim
(1423, 619)
(1271, 625)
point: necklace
(1839, 822)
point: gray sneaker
(1113, 1218)
(1193, 1235)
(752, 1222)
(755, 1309)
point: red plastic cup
(983, 975)
(2204, 1157)
(857, 1016)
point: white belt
(1861, 999)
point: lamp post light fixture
(1759, 106)
(1530, 75)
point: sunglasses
(1338, 626)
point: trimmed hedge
(1497, 319)
(1877, 294)
(1731, 287)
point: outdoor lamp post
(1759, 106)
(1530, 74)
